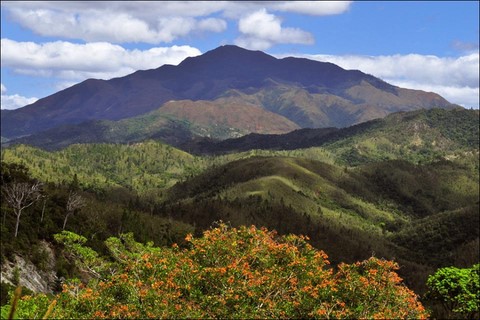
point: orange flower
(321, 312)
(99, 314)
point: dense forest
(365, 199)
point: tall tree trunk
(65, 221)
(19, 213)
(43, 210)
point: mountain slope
(422, 135)
(175, 123)
(308, 93)
(350, 213)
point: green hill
(385, 187)
(140, 166)
(351, 213)
(416, 136)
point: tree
(74, 202)
(227, 273)
(21, 195)
(458, 289)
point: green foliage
(85, 258)
(457, 288)
(140, 167)
(234, 273)
(419, 136)
(423, 210)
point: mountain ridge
(307, 92)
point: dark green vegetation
(404, 188)
(104, 215)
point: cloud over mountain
(15, 101)
(261, 30)
(99, 60)
(456, 79)
(149, 21)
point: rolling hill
(384, 187)
(389, 209)
(422, 135)
(301, 92)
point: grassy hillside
(149, 165)
(351, 196)
(352, 213)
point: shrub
(236, 273)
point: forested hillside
(404, 188)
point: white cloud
(10, 102)
(315, 8)
(456, 79)
(261, 30)
(461, 71)
(465, 96)
(101, 60)
(149, 21)
(238, 9)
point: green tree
(458, 289)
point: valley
(414, 203)
(292, 145)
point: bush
(241, 273)
(458, 289)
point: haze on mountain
(225, 93)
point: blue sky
(48, 46)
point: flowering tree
(245, 272)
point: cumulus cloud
(467, 97)
(261, 30)
(149, 21)
(456, 79)
(315, 8)
(238, 9)
(10, 102)
(71, 61)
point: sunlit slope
(351, 211)
(417, 136)
(139, 167)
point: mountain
(176, 123)
(303, 93)
(415, 135)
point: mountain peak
(229, 54)
(309, 93)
